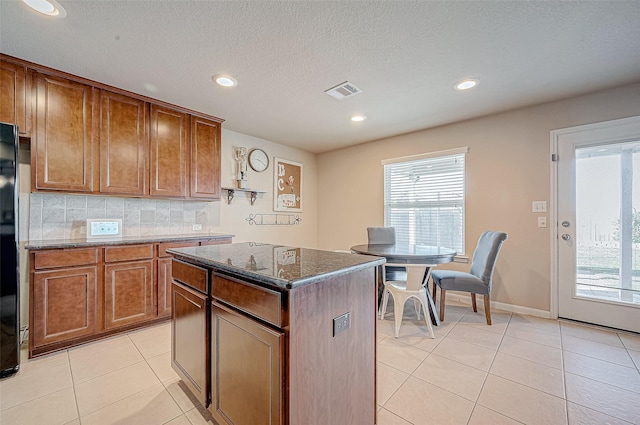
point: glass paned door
(608, 222)
(598, 223)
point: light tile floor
(522, 369)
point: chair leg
(434, 289)
(442, 297)
(416, 306)
(473, 302)
(487, 309)
(398, 308)
(427, 317)
(385, 299)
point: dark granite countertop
(34, 245)
(284, 267)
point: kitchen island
(270, 334)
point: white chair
(402, 290)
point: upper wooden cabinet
(169, 152)
(14, 108)
(124, 144)
(205, 158)
(88, 137)
(64, 150)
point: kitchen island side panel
(332, 378)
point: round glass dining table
(427, 255)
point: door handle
(566, 237)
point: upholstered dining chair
(478, 280)
(403, 290)
(386, 236)
(381, 235)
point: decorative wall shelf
(231, 192)
(274, 219)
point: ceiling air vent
(343, 90)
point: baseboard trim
(466, 299)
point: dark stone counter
(35, 245)
(283, 267)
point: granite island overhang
(276, 334)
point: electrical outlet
(542, 221)
(197, 227)
(341, 323)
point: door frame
(553, 204)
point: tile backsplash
(57, 216)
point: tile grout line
(73, 387)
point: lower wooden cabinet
(164, 286)
(247, 362)
(190, 339)
(128, 295)
(80, 294)
(65, 304)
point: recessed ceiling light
(358, 118)
(225, 80)
(47, 7)
(466, 84)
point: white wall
(507, 167)
(233, 217)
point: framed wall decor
(287, 192)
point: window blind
(424, 200)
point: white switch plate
(539, 206)
(542, 221)
(196, 227)
(104, 228)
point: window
(424, 198)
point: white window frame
(422, 160)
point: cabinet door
(190, 340)
(64, 304)
(205, 158)
(169, 131)
(124, 144)
(64, 155)
(13, 97)
(164, 286)
(128, 294)
(246, 370)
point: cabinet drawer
(260, 302)
(163, 246)
(128, 253)
(190, 275)
(65, 257)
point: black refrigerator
(9, 252)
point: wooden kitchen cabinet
(14, 107)
(169, 152)
(190, 339)
(81, 294)
(124, 144)
(165, 272)
(64, 295)
(64, 153)
(128, 282)
(205, 158)
(247, 369)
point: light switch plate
(542, 221)
(104, 228)
(539, 206)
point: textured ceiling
(404, 56)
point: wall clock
(258, 160)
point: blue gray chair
(386, 236)
(478, 280)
